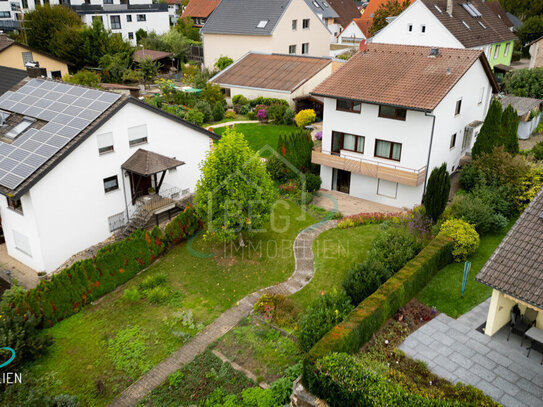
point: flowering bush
(230, 114)
(318, 135)
(289, 186)
(370, 218)
(262, 115)
(464, 236)
(305, 117)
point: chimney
(449, 7)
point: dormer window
(262, 24)
(19, 128)
(317, 4)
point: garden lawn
(238, 118)
(100, 351)
(445, 290)
(336, 251)
(260, 135)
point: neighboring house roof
(366, 20)
(55, 135)
(200, 8)
(6, 42)
(9, 77)
(402, 75)
(346, 10)
(243, 17)
(497, 9)
(534, 41)
(483, 30)
(271, 71)
(147, 163)
(173, 2)
(520, 104)
(364, 24)
(517, 22)
(141, 54)
(322, 9)
(516, 266)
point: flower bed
(369, 218)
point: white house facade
(121, 17)
(96, 182)
(351, 35)
(381, 139)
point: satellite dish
(363, 45)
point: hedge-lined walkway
(303, 272)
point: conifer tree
(510, 129)
(490, 133)
(437, 192)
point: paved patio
(457, 351)
(24, 275)
(349, 205)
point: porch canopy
(144, 165)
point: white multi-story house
(77, 164)
(120, 16)
(393, 113)
(237, 27)
(454, 24)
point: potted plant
(151, 191)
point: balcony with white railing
(370, 168)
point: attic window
(262, 24)
(482, 25)
(466, 24)
(325, 4)
(472, 11)
(438, 9)
(317, 4)
(19, 128)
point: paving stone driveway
(454, 350)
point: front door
(139, 186)
(341, 181)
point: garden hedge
(86, 280)
(368, 317)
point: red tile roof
(497, 8)
(366, 20)
(140, 54)
(200, 8)
(402, 75)
(364, 24)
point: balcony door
(341, 181)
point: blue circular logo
(10, 359)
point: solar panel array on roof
(68, 110)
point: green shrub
(158, 294)
(239, 100)
(363, 279)
(296, 147)
(183, 225)
(464, 236)
(131, 294)
(537, 150)
(230, 115)
(267, 101)
(223, 62)
(528, 187)
(470, 176)
(324, 313)
(368, 317)
(288, 116)
(278, 169)
(312, 182)
(276, 113)
(305, 117)
(204, 107)
(251, 115)
(196, 117)
(244, 109)
(437, 192)
(153, 281)
(474, 210)
(218, 111)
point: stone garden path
(303, 273)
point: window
(292, 49)
(22, 243)
(481, 95)
(458, 107)
(305, 48)
(423, 28)
(141, 17)
(387, 188)
(388, 149)
(115, 22)
(317, 5)
(344, 141)
(453, 141)
(27, 57)
(130, 36)
(25, 3)
(496, 51)
(105, 143)
(226, 92)
(15, 204)
(108, 1)
(391, 112)
(19, 128)
(111, 184)
(262, 24)
(305, 23)
(128, 18)
(348, 105)
(5, 14)
(466, 141)
(294, 24)
(410, 27)
(97, 18)
(137, 135)
(506, 52)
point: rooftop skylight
(19, 128)
(262, 24)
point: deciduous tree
(389, 9)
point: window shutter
(22, 243)
(137, 132)
(105, 140)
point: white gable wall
(67, 211)
(351, 35)
(417, 15)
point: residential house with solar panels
(78, 164)
(273, 26)
(120, 16)
(453, 24)
(395, 112)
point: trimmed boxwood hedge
(86, 280)
(366, 319)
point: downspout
(429, 152)
(124, 194)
